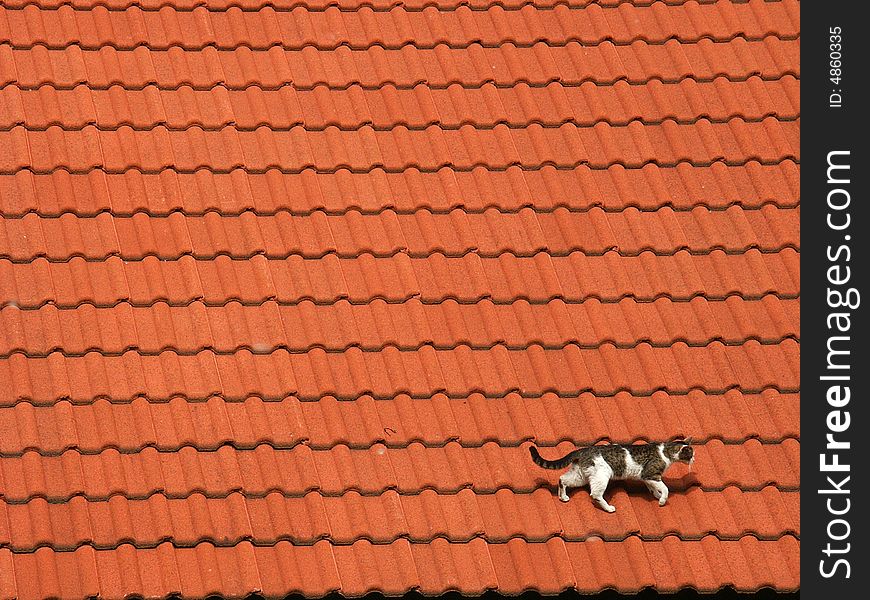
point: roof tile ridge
(246, 540)
(604, 42)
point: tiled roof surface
(287, 287)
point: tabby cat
(597, 465)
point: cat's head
(680, 451)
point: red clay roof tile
(490, 233)
(401, 26)
(683, 187)
(287, 287)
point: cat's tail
(559, 463)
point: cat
(597, 465)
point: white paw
(662, 501)
(564, 498)
(610, 508)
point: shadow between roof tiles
(725, 592)
(236, 537)
(235, 255)
(375, 6)
(404, 169)
(17, 304)
(317, 349)
(341, 444)
(201, 398)
(398, 46)
(460, 344)
(302, 124)
(432, 126)
(300, 86)
(391, 210)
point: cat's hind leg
(597, 485)
(573, 477)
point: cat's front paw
(564, 498)
(663, 500)
(610, 508)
